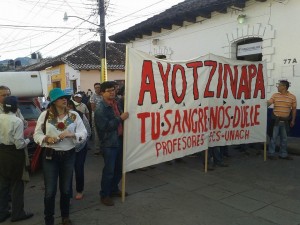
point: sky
(28, 26)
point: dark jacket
(107, 125)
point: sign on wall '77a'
(183, 107)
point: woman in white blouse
(58, 130)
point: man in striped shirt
(283, 117)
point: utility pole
(102, 31)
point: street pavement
(248, 192)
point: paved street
(248, 192)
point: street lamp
(101, 30)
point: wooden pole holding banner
(125, 128)
(206, 160)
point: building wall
(55, 75)
(272, 21)
(88, 78)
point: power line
(136, 12)
(43, 27)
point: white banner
(180, 108)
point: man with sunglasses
(283, 117)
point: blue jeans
(79, 170)
(214, 156)
(112, 171)
(279, 130)
(60, 167)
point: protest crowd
(63, 130)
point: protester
(95, 101)
(81, 151)
(108, 121)
(58, 130)
(4, 92)
(80, 106)
(283, 117)
(215, 158)
(89, 93)
(45, 103)
(12, 161)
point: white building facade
(261, 30)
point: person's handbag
(37, 156)
(36, 159)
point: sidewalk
(248, 192)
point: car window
(29, 110)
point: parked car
(31, 111)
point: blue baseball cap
(10, 102)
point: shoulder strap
(44, 125)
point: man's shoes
(107, 201)
(286, 158)
(209, 167)
(5, 217)
(118, 194)
(66, 221)
(24, 217)
(79, 196)
(222, 164)
(272, 157)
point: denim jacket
(107, 125)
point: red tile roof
(86, 57)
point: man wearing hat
(4, 92)
(12, 161)
(80, 106)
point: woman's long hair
(52, 108)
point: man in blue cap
(12, 161)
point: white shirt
(11, 132)
(77, 127)
(95, 99)
(82, 108)
(18, 114)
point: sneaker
(79, 196)
(286, 158)
(66, 221)
(118, 194)
(107, 201)
(222, 164)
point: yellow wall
(87, 77)
(56, 74)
